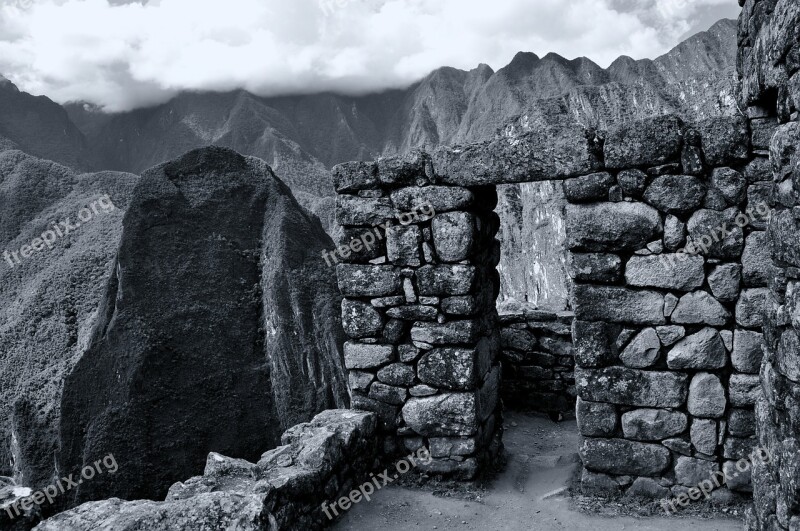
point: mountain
(302, 136)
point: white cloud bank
(142, 53)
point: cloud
(123, 55)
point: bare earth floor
(530, 494)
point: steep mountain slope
(41, 127)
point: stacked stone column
(769, 73)
(668, 307)
(419, 309)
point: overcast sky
(122, 54)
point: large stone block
(603, 268)
(632, 387)
(726, 140)
(363, 356)
(703, 350)
(621, 457)
(518, 338)
(443, 415)
(673, 272)
(675, 194)
(461, 332)
(353, 210)
(700, 307)
(368, 280)
(588, 188)
(653, 424)
(716, 234)
(704, 436)
(354, 176)
(612, 226)
(360, 319)
(690, 472)
(632, 182)
(643, 350)
(446, 280)
(413, 167)
(724, 281)
(756, 260)
(787, 359)
(449, 368)
(596, 419)
(594, 343)
(742, 423)
(618, 305)
(453, 235)
(439, 198)
(751, 306)
(744, 389)
(403, 245)
(706, 396)
(730, 184)
(747, 351)
(649, 142)
(784, 235)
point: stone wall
(668, 306)
(318, 462)
(769, 71)
(419, 309)
(537, 359)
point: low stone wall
(319, 461)
(538, 362)
(670, 263)
(419, 308)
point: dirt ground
(530, 493)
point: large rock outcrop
(218, 330)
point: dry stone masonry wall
(669, 260)
(769, 72)
(538, 361)
(419, 309)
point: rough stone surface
(744, 389)
(362, 356)
(724, 281)
(730, 183)
(706, 396)
(726, 141)
(603, 268)
(653, 424)
(619, 456)
(747, 351)
(687, 272)
(643, 351)
(700, 307)
(715, 234)
(690, 472)
(444, 415)
(632, 387)
(703, 350)
(756, 260)
(644, 143)
(750, 307)
(611, 226)
(453, 235)
(588, 188)
(619, 305)
(596, 419)
(675, 194)
(704, 435)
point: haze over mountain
(301, 137)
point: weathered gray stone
(453, 235)
(703, 350)
(759, 197)
(756, 260)
(706, 396)
(362, 211)
(444, 415)
(715, 234)
(449, 446)
(784, 234)
(413, 312)
(408, 353)
(757, 170)
(643, 351)
(787, 360)
(362, 356)
(669, 335)
(412, 167)
(741, 423)
(403, 245)
(737, 479)
(611, 226)
(518, 338)
(685, 274)
(653, 424)
(439, 198)
(750, 307)
(632, 387)
(670, 303)
(690, 472)
(727, 339)
(744, 389)
(633, 182)
(600, 485)
(446, 280)
(724, 281)
(397, 374)
(594, 343)
(595, 267)
(649, 142)
(465, 305)
(388, 393)
(739, 448)
(618, 305)
(618, 456)
(393, 331)
(747, 353)
(596, 419)
(674, 233)
(354, 176)
(646, 488)
(387, 413)
(588, 188)
(730, 183)
(704, 435)
(725, 140)
(455, 332)
(359, 380)
(449, 368)
(360, 319)
(423, 390)
(368, 281)
(675, 194)
(678, 445)
(700, 308)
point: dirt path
(530, 494)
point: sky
(125, 54)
